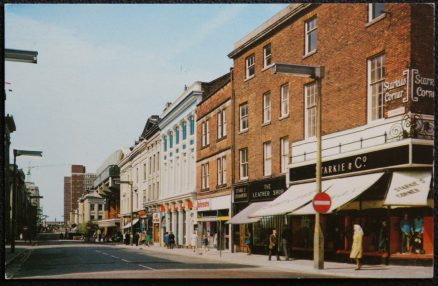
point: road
(73, 259)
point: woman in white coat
(194, 240)
(356, 248)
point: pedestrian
(148, 239)
(127, 237)
(383, 238)
(136, 238)
(249, 243)
(194, 240)
(166, 239)
(356, 248)
(171, 240)
(406, 230)
(286, 240)
(273, 244)
(205, 243)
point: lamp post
(14, 189)
(316, 73)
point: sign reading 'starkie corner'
(412, 85)
(362, 162)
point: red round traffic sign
(322, 202)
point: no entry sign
(322, 202)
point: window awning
(243, 216)
(409, 188)
(295, 197)
(108, 222)
(129, 224)
(343, 191)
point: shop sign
(363, 162)
(240, 194)
(410, 84)
(156, 217)
(203, 205)
(267, 189)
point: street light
(317, 73)
(21, 56)
(14, 190)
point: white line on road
(115, 257)
(147, 267)
(127, 261)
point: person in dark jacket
(171, 240)
(383, 238)
(286, 240)
(249, 242)
(127, 238)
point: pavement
(21, 248)
(334, 269)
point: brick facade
(404, 35)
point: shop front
(387, 191)
(156, 227)
(211, 216)
(247, 199)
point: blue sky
(103, 70)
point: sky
(102, 70)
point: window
(310, 110)
(204, 176)
(205, 134)
(144, 172)
(376, 76)
(243, 163)
(284, 155)
(158, 161)
(150, 165)
(99, 217)
(184, 130)
(267, 55)
(375, 10)
(221, 171)
(92, 207)
(310, 41)
(154, 164)
(250, 66)
(284, 100)
(192, 125)
(221, 124)
(170, 140)
(267, 159)
(267, 107)
(164, 143)
(176, 135)
(243, 110)
(136, 199)
(136, 174)
(157, 190)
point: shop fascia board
(405, 142)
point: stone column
(189, 229)
(167, 221)
(174, 214)
(180, 226)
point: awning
(129, 224)
(409, 188)
(342, 191)
(295, 197)
(108, 222)
(243, 216)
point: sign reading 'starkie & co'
(362, 162)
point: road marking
(127, 261)
(115, 257)
(147, 267)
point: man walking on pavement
(273, 244)
(286, 240)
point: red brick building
(377, 121)
(213, 166)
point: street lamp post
(317, 73)
(14, 189)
